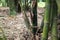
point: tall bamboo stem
(46, 21)
(54, 33)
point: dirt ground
(14, 27)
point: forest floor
(14, 27)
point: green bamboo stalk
(54, 33)
(46, 21)
(51, 14)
